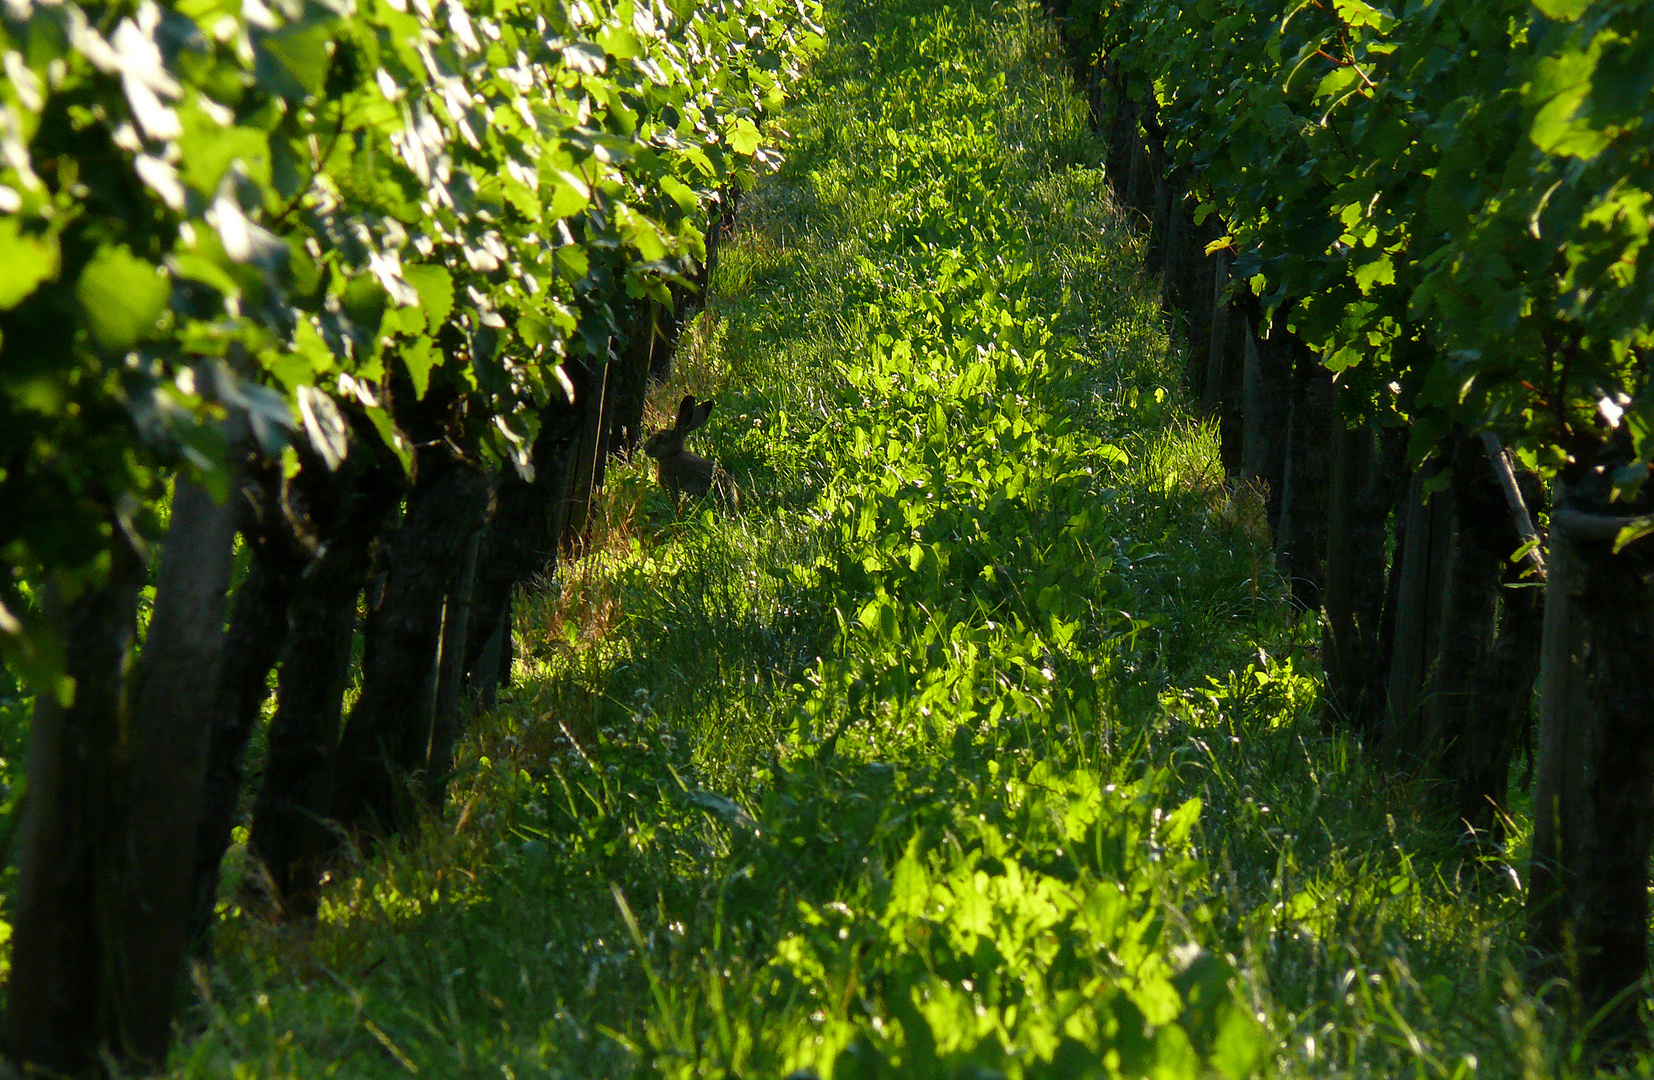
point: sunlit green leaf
(744, 137)
(435, 287)
(121, 297)
(420, 357)
(25, 261)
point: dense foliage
(1452, 197)
(283, 211)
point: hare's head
(664, 444)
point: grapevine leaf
(620, 43)
(573, 262)
(641, 233)
(1562, 83)
(679, 192)
(1379, 272)
(268, 414)
(291, 369)
(1359, 13)
(586, 58)
(146, 81)
(570, 195)
(1633, 531)
(122, 297)
(1336, 82)
(535, 331)
(302, 53)
(419, 357)
(1624, 80)
(325, 425)
(744, 137)
(207, 155)
(244, 240)
(435, 287)
(394, 442)
(1562, 10)
(25, 261)
(195, 266)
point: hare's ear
(701, 412)
(686, 413)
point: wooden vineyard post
(1217, 344)
(449, 709)
(1224, 396)
(1473, 682)
(151, 868)
(1604, 811)
(631, 369)
(1194, 291)
(257, 631)
(1559, 781)
(1374, 580)
(1301, 529)
(1253, 455)
(1420, 592)
(1340, 646)
(1593, 799)
(520, 544)
(591, 404)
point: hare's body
(682, 473)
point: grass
(979, 742)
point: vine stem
(315, 171)
(1519, 514)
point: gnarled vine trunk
(114, 803)
(292, 835)
(159, 807)
(57, 1010)
(258, 628)
(386, 747)
(520, 542)
(1616, 603)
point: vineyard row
(377, 287)
(1412, 255)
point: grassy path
(977, 744)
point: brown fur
(680, 471)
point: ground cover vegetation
(987, 737)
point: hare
(680, 471)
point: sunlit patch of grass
(577, 610)
(696, 367)
(1242, 505)
(1181, 456)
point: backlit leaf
(121, 296)
(25, 261)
